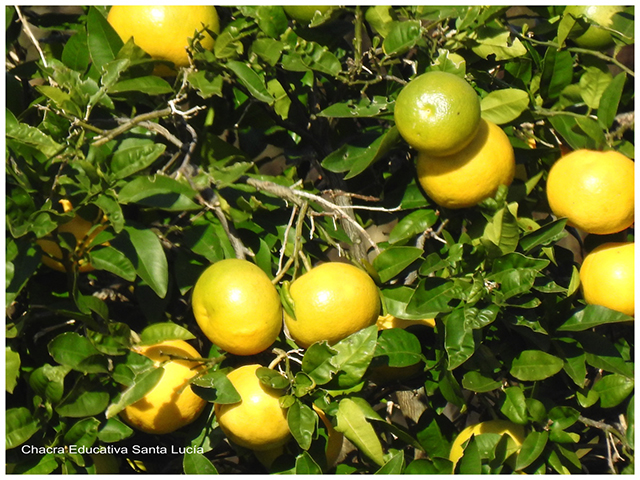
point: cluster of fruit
(462, 158)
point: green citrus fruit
(332, 301)
(437, 113)
(471, 175)
(163, 31)
(594, 190)
(257, 422)
(304, 13)
(607, 277)
(171, 404)
(594, 37)
(237, 307)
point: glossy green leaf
(20, 426)
(251, 81)
(415, 223)
(613, 389)
(134, 155)
(458, 339)
(393, 466)
(151, 264)
(401, 37)
(504, 106)
(394, 260)
(114, 261)
(354, 425)
(102, 40)
(531, 449)
(150, 85)
(534, 365)
(197, 464)
(354, 354)
(162, 332)
(143, 385)
(400, 347)
(12, 369)
(302, 422)
(73, 350)
(610, 101)
(114, 430)
(592, 316)
(514, 406)
(216, 387)
(86, 398)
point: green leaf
(394, 260)
(458, 339)
(501, 233)
(476, 382)
(12, 369)
(151, 264)
(593, 83)
(48, 381)
(223, 390)
(394, 465)
(205, 83)
(84, 432)
(504, 106)
(197, 464)
(354, 354)
(498, 42)
(514, 406)
(534, 365)
(610, 101)
(102, 40)
(134, 155)
(20, 425)
(114, 261)
(85, 399)
(544, 236)
(400, 347)
(557, 72)
(413, 224)
(75, 54)
(272, 378)
(592, 316)
(354, 425)
(317, 362)
(356, 159)
(302, 422)
(162, 332)
(306, 465)
(77, 352)
(30, 136)
(531, 449)
(613, 389)
(150, 85)
(159, 191)
(432, 296)
(364, 107)
(114, 431)
(401, 37)
(251, 81)
(142, 385)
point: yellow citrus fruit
(594, 190)
(607, 277)
(237, 307)
(171, 404)
(332, 301)
(385, 322)
(473, 174)
(304, 13)
(163, 31)
(437, 112)
(500, 427)
(257, 422)
(84, 232)
(594, 37)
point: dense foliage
(279, 146)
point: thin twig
(285, 238)
(32, 37)
(238, 247)
(130, 123)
